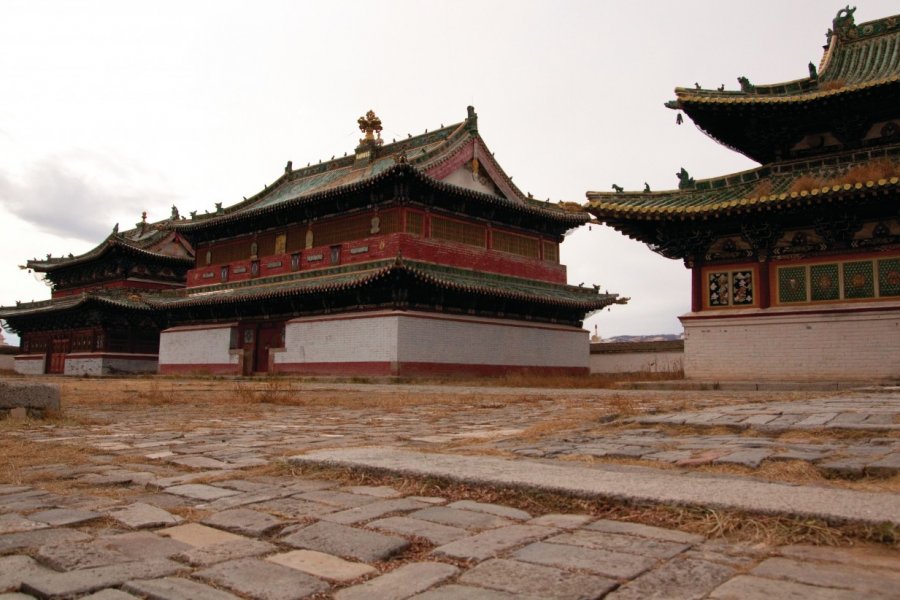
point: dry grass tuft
(763, 188)
(883, 168)
(806, 183)
(21, 455)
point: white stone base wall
(397, 343)
(201, 349)
(638, 362)
(30, 364)
(97, 365)
(853, 343)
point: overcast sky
(112, 108)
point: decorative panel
(859, 279)
(719, 290)
(824, 283)
(742, 286)
(889, 277)
(390, 221)
(792, 284)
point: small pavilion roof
(769, 188)
(142, 242)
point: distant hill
(662, 337)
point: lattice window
(344, 230)
(458, 231)
(390, 221)
(82, 341)
(415, 223)
(829, 282)
(551, 251)
(516, 244)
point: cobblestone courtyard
(202, 489)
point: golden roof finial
(370, 125)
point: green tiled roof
(354, 276)
(766, 188)
(417, 154)
(133, 242)
(858, 57)
(129, 301)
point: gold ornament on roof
(370, 124)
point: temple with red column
(413, 257)
(796, 263)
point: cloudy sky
(111, 108)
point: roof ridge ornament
(844, 24)
(685, 181)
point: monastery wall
(428, 344)
(637, 357)
(859, 343)
(30, 364)
(108, 363)
(203, 348)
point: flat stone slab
(13, 523)
(16, 569)
(400, 583)
(243, 520)
(143, 545)
(332, 538)
(28, 394)
(609, 563)
(22, 540)
(466, 592)
(683, 579)
(140, 516)
(205, 556)
(433, 532)
(196, 535)
(175, 588)
(534, 581)
(633, 485)
(326, 566)
(367, 512)
(489, 543)
(455, 517)
(64, 516)
(263, 580)
(82, 581)
(200, 491)
(507, 512)
(80, 555)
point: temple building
(418, 256)
(97, 321)
(795, 264)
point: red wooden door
(268, 336)
(58, 350)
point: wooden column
(763, 288)
(696, 288)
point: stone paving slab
(490, 543)
(80, 555)
(645, 485)
(82, 581)
(142, 545)
(175, 588)
(263, 580)
(682, 579)
(205, 556)
(243, 520)
(200, 491)
(14, 523)
(400, 583)
(594, 560)
(528, 580)
(198, 536)
(456, 517)
(340, 540)
(35, 539)
(433, 532)
(374, 510)
(322, 565)
(140, 515)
